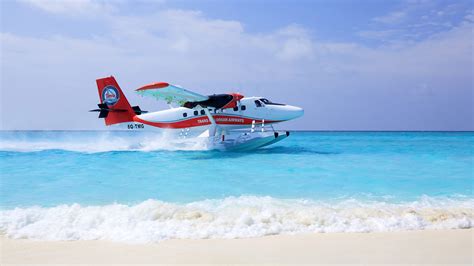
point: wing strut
(213, 128)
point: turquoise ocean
(143, 187)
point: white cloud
(189, 32)
(392, 18)
(71, 7)
(378, 34)
(470, 16)
(296, 43)
(295, 49)
(212, 55)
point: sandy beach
(446, 247)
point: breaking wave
(233, 217)
(93, 142)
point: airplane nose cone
(299, 112)
(295, 111)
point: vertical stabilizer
(116, 109)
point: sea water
(146, 187)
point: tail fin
(116, 107)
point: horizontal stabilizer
(104, 110)
(138, 111)
(103, 113)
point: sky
(352, 65)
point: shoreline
(400, 247)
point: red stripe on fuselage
(203, 121)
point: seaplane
(228, 121)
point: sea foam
(233, 217)
(94, 142)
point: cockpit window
(266, 101)
(258, 103)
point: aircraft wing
(170, 93)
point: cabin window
(236, 108)
(203, 112)
(185, 114)
(196, 112)
(243, 107)
(258, 103)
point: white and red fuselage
(229, 111)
